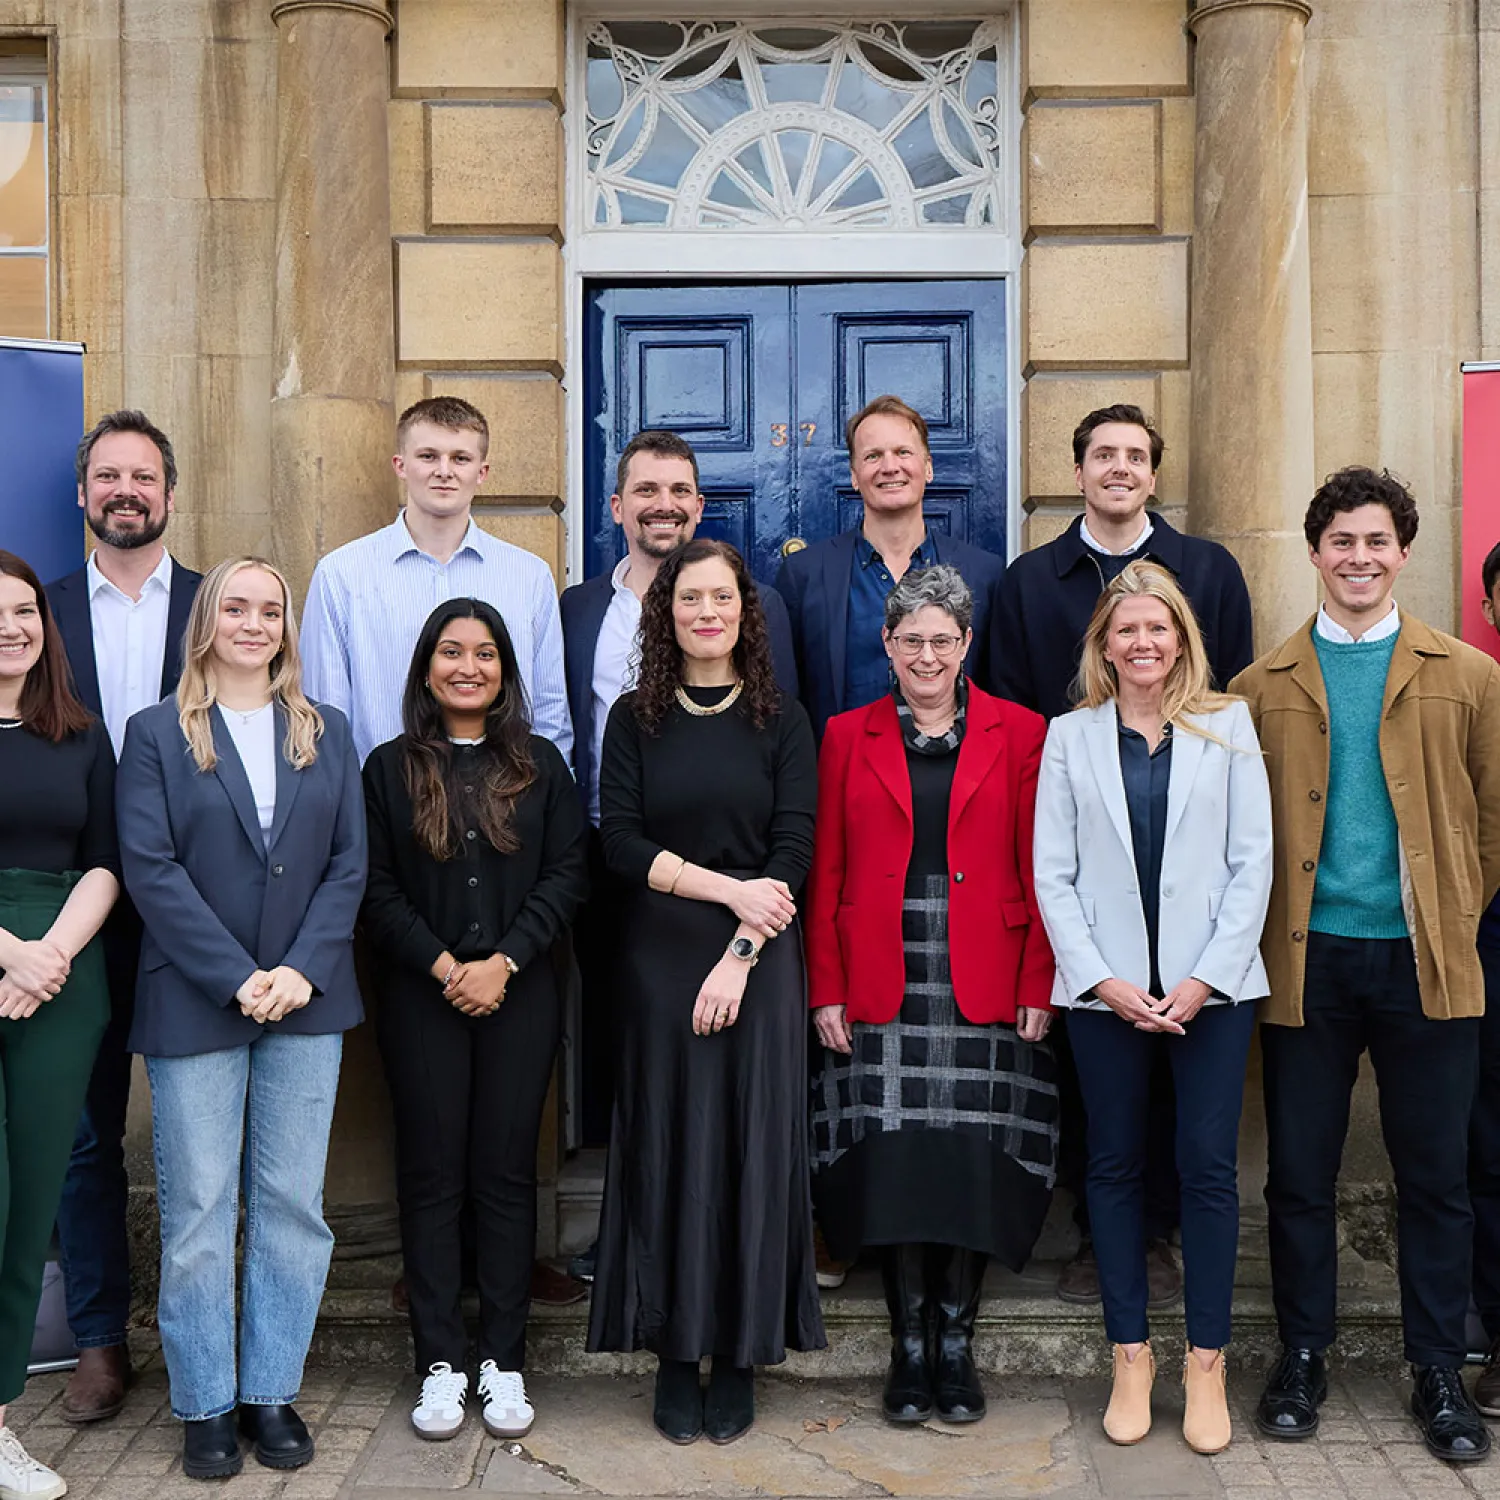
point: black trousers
(1362, 993)
(1162, 1193)
(467, 1095)
(1484, 1151)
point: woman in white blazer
(1153, 871)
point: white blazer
(1215, 868)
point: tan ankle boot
(1205, 1418)
(1127, 1419)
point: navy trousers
(1115, 1063)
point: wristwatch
(511, 965)
(744, 950)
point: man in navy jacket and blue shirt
(121, 618)
(1036, 631)
(658, 506)
(835, 590)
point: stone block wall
(1106, 215)
(477, 194)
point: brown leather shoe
(96, 1389)
(1078, 1281)
(1163, 1275)
(555, 1288)
(1487, 1387)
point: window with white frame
(24, 198)
(759, 125)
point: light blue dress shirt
(370, 598)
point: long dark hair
(49, 707)
(438, 803)
(662, 657)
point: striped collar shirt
(369, 600)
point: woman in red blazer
(935, 1117)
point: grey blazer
(217, 903)
(1215, 869)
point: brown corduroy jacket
(1440, 750)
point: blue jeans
(272, 1104)
(1208, 1068)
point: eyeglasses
(943, 646)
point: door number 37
(781, 431)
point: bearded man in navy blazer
(835, 590)
(658, 505)
(121, 617)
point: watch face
(742, 947)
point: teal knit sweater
(1358, 889)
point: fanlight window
(735, 125)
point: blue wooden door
(761, 379)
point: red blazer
(997, 946)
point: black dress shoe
(281, 1438)
(678, 1412)
(907, 1397)
(210, 1449)
(1289, 1404)
(1453, 1429)
(729, 1408)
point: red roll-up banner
(1481, 497)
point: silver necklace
(245, 715)
(11, 723)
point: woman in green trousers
(58, 879)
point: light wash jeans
(271, 1102)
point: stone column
(332, 417)
(1251, 342)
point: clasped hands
(36, 972)
(765, 906)
(477, 987)
(1146, 1013)
(268, 995)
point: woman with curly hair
(708, 788)
(476, 868)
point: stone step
(1023, 1329)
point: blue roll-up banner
(41, 421)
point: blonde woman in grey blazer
(1153, 872)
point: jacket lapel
(838, 568)
(887, 754)
(1187, 756)
(231, 773)
(981, 748)
(70, 600)
(179, 605)
(1414, 643)
(288, 782)
(1102, 736)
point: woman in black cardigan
(476, 867)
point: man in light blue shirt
(369, 599)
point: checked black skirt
(936, 1129)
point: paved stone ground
(812, 1438)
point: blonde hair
(196, 694)
(1187, 689)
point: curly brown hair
(661, 655)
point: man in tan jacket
(1382, 741)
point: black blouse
(57, 802)
(1146, 774)
(931, 791)
(481, 901)
(717, 790)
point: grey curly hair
(941, 585)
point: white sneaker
(439, 1411)
(507, 1412)
(22, 1477)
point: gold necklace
(697, 709)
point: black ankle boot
(211, 1448)
(280, 1436)
(679, 1400)
(908, 1382)
(729, 1407)
(958, 1281)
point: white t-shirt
(254, 736)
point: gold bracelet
(681, 866)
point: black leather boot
(908, 1382)
(956, 1285)
(678, 1410)
(211, 1448)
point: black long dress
(705, 1239)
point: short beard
(662, 548)
(126, 541)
